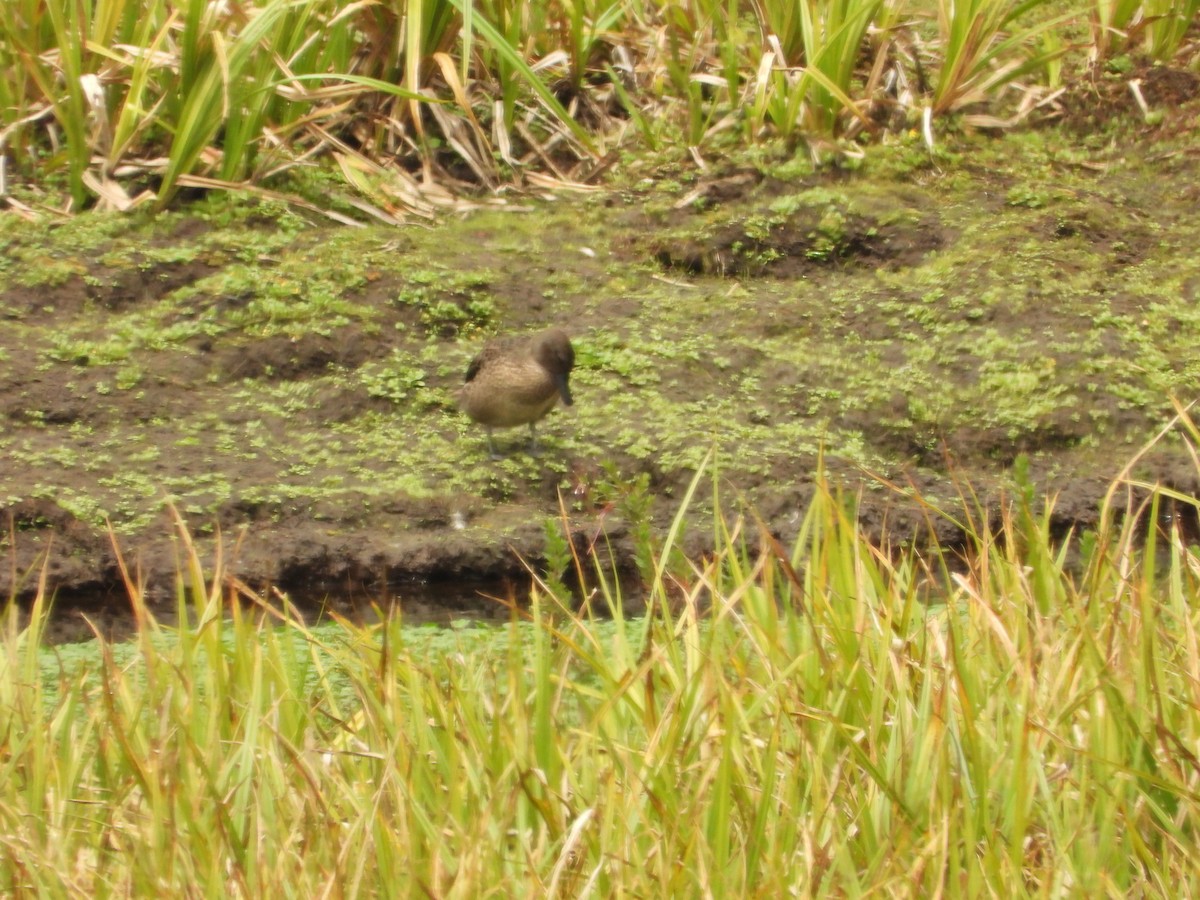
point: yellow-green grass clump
(829, 720)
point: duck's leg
(534, 449)
(492, 445)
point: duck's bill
(564, 389)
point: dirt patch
(743, 224)
(286, 358)
(104, 287)
(42, 537)
(1095, 102)
(807, 241)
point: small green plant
(829, 239)
(1028, 197)
(449, 302)
(396, 379)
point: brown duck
(517, 380)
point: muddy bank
(923, 321)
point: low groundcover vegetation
(1018, 714)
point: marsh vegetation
(406, 102)
(785, 719)
(884, 319)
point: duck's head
(555, 354)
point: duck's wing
(491, 351)
(476, 364)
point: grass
(123, 104)
(1018, 714)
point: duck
(516, 380)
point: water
(80, 616)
